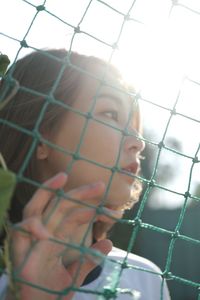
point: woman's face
(98, 143)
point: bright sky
(158, 48)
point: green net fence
(40, 9)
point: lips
(132, 168)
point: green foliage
(7, 178)
(7, 185)
(4, 62)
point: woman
(73, 115)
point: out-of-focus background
(156, 46)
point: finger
(60, 209)
(82, 216)
(22, 235)
(89, 191)
(104, 247)
(70, 226)
(42, 196)
(31, 227)
(78, 197)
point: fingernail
(61, 174)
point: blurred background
(156, 46)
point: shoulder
(133, 260)
(141, 274)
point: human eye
(111, 114)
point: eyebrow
(112, 96)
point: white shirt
(135, 283)
(144, 285)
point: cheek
(83, 173)
(101, 144)
(68, 139)
(58, 162)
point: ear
(42, 151)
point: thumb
(82, 270)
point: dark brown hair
(37, 74)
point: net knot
(187, 194)
(127, 17)
(77, 29)
(125, 132)
(76, 156)
(161, 145)
(99, 210)
(115, 46)
(137, 97)
(167, 275)
(124, 265)
(176, 234)
(173, 111)
(24, 44)
(89, 115)
(40, 7)
(137, 222)
(151, 183)
(60, 193)
(195, 160)
(36, 134)
(108, 293)
(115, 169)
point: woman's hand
(37, 258)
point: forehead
(101, 80)
(106, 79)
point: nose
(133, 142)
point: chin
(119, 197)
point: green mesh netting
(109, 292)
